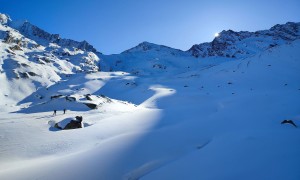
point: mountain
(150, 112)
(244, 44)
(42, 37)
(145, 58)
(149, 58)
(32, 58)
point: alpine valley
(151, 112)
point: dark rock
(88, 97)
(30, 31)
(56, 96)
(70, 123)
(32, 74)
(91, 105)
(24, 65)
(23, 75)
(79, 118)
(9, 38)
(70, 98)
(73, 125)
(16, 47)
(57, 126)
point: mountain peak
(143, 46)
(42, 37)
(241, 44)
(4, 18)
(146, 46)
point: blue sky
(113, 26)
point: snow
(161, 114)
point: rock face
(33, 32)
(242, 44)
(91, 105)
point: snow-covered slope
(32, 58)
(160, 113)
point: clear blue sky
(113, 26)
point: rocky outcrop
(70, 98)
(31, 31)
(242, 44)
(56, 96)
(91, 105)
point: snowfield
(158, 115)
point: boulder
(69, 123)
(73, 124)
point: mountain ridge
(223, 45)
(43, 59)
(34, 32)
(234, 44)
(152, 112)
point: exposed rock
(16, 47)
(56, 96)
(24, 65)
(91, 105)
(88, 97)
(69, 123)
(23, 75)
(31, 31)
(70, 98)
(73, 125)
(230, 44)
(32, 74)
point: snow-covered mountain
(244, 44)
(149, 58)
(31, 59)
(151, 112)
